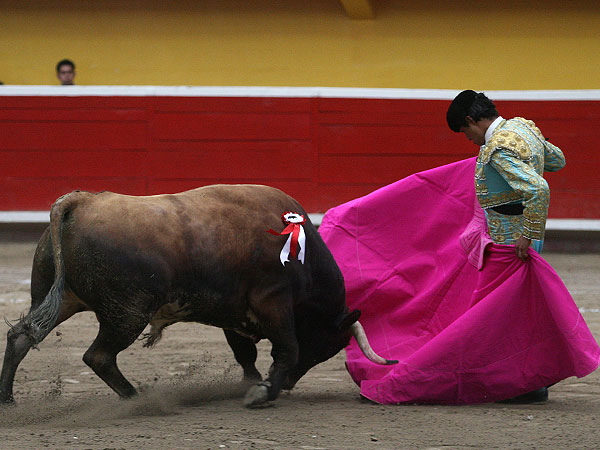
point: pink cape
(410, 254)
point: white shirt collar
(492, 127)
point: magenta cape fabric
(461, 335)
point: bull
(198, 256)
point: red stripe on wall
(323, 151)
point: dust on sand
(190, 396)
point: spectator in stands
(65, 72)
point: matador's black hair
(469, 103)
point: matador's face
(475, 131)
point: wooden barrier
(323, 150)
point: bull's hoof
(251, 379)
(257, 395)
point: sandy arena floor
(190, 396)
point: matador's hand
(521, 246)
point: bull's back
(210, 238)
(229, 219)
(208, 247)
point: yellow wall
(480, 45)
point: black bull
(199, 256)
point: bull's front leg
(245, 353)
(285, 358)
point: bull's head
(319, 340)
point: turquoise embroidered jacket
(509, 169)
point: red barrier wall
(323, 151)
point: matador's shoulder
(527, 125)
(509, 139)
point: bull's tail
(42, 320)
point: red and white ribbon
(297, 237)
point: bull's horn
(361, 338)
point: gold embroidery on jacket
(517, 151)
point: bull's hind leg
(113, 337)
(21, 338)
(244, 350)
(18, 343)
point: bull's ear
(346, 320)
